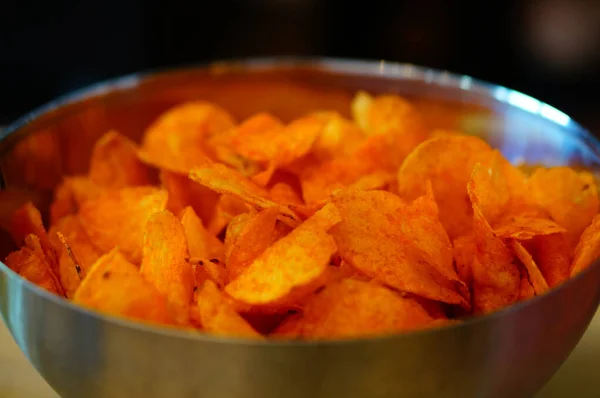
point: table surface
(578, 377)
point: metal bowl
(80, 353)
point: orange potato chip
(27, 220)
(234, 229)
(200, 243)
(164, 261)
(588, 249)
(115, 286)
(448, 163)
(272, 142)
(496, 278)
(70, 195)
(526, 290)
(526, 226)
(375, 237)
(284, 194)
(338, 137)
(32, 264)
(184, 192)
(535, 275)
(463, 251)
(115, 163)
(291, 263)
(227, 181)
(83, 253)
(212, 270)
(390, 115)
(352, 308)
(252, 241)
(118, 218)
(570, 197)
(217, 316)
(553, 256)
(176, 140)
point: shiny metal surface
(512, 353)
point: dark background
(546, 48)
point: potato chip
(448, 163)
(176, 140)
(200, 243)
(338, 137)
(27, 220)
(184, 192)
(209, 269)
(83, 253)
(496, 278)
(269, 141)
(588, 249)
(115, 163)
(32, 264)
(553, 256)
(525, 226)
(526, 290)
(393, 116)
(248, 139)
(252, 241)
(375, 237)
(570, 197)
(227, 181)
(217, 316)
(463, 251)
(118, 218)
(115, 286)
(165, 261)
(234, 229)
(70, 195)
(352, 308)
(284, 194)
(290, 263)
(536, 278)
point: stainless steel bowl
(80, 353)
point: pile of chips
(322, 228)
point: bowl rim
(346, 66)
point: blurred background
(549, 49)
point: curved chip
(463, 251)
(32, 264)
(339, 137)
(118, 218)
(553, 256)
(390, 115)
(27, 220)
(217, 316)
(115, 286)
(115, 164)
(164, 262)
(570, 197)
(83, 253)
(224, 180)
(448, 163)
(588, 249)
(252, 241)
(377, 238)
(353, 308)
(291, 263)
(70, 195)
(200, 242)
(526, 226)
(496, 278)
(536, 278)
(176, 140)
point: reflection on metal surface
(81, 353)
